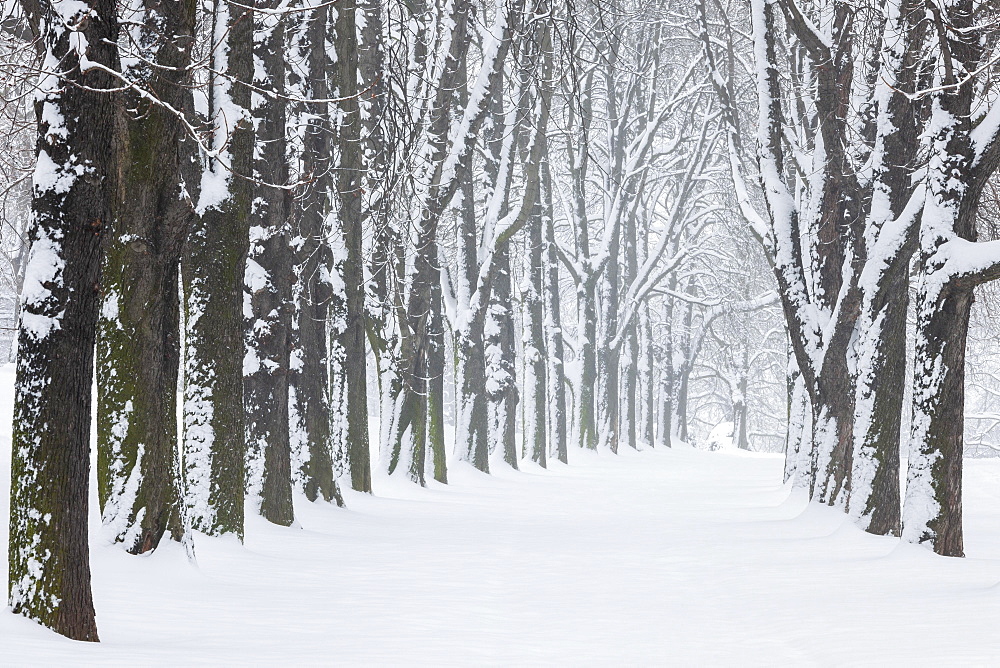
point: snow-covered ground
(659, 557)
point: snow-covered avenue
(657, 557)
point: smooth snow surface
(660, 557)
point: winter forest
(457, 331)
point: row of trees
(351, 236)
(348, 235)
(876, 137)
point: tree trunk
(138, 348)
(269, 277)
(555, 372)
(933, 511)
(630, 377)
(740, 402)
(314, 290)
(799, 434)
(501, 372)
(410, 410)
(649, 391)
(48, 557)
(588, 377)
(473, 428)
(435, 390)
(472, 418)
(608, 356)
(875, 494)
(668, 392)
(535, 445)
(349, 191)
(213, 271)
(681, 373)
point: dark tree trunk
(682, 373)
(314, 292)
(213, 271)
(435, 390)
(939, 392)
(269, 278)
(48, 557)
(410, 430)
(588, 378)
(472, 417)
(555, 355)
(382, 137)
(888, 371)
(138, 349)
(630, 377)
(501, 385)
(608, 356)
(349, 172)
(955, 178)
(875, 494)
(535, 348)
(649, 427)
(668, 393)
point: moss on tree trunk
(138, 351)
(213, 272)
(48, 551)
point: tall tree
(72, 201)
(268, 280)
(316, 286)
(138, 350)
(349, 194)
(881, 328)
(965, 152)
(555, 354)
(213, 271)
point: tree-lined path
(652, 557)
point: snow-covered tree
(213, 272)
(72, 203)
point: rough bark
(875, 496)
(269, 278)
(48, 557)
(446, 159)
(472, 416)
(628, 424)
(956, 175)
(314, 290)
(213, 272)
(555, 355)
(501, 384)
(409, 437)
(667, 384)
(349, 192)
(535, 445)
(649, 391)
(435, 390)
(138, 348)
